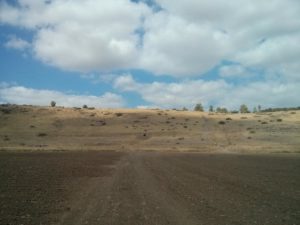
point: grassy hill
(47, 128)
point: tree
(244, 109)
(255, 110)
(184, 109)
(259, 108)
(199, 107)
(221, 110)
(53, 103)
(211, 108)
(84, 106)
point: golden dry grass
(46, 128)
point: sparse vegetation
(41, 134)
(222, 122)
(280, 109)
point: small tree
(259, 108)
(255, 110)
(244, 109)
(211, 108)
(84, 106)
(199, 107)
(53, 103)
(221, 110)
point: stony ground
(150, 188)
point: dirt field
(148, 188)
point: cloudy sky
(146, 53)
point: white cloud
(185, 38)
(278, 55)
(176, 47)
(81, 35)
(23, 95)
(17, 43)
(218, 93)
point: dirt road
(149, 188)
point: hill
(57, 128)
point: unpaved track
(180, 188)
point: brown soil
(148, 188)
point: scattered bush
(221, 122)
(228, 118)
(279, 120)
(119, 114)
(6, 111)
(41, 134)
(234, 111)
(6, 138)
(264, 122)
(252, 131)
(244, 118)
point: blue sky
(162, 54)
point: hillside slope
(45, 128)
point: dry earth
(152, 188)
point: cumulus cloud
(17, 43)
(23, 95)
(218, 93)
(182, 38)
(81, 35)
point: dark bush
(221, 122)
(41, 134)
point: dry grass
(137, 129)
